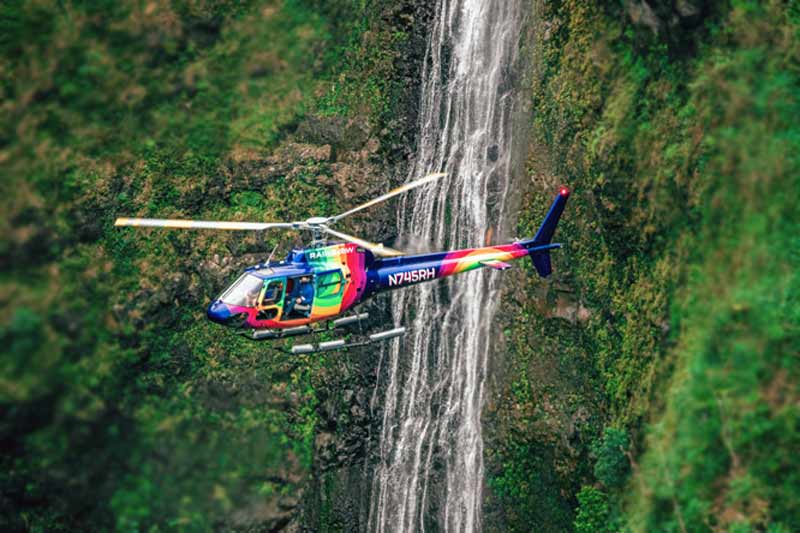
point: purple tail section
(539, 247)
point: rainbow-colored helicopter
(310, 290)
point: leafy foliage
(593, 513)
(681, 152)
(674, 335)
(122, 409)
(611, 465)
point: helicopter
(313, 287)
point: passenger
(302, 296)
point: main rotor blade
(377, 249)
(201, 224)
(403, 188)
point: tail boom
(397, 272)
(401, 271)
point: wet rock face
(667, 16)
(253, 171)
(343, 431)
(355, 160)
(343, 134)
(337, 493)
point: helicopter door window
(329, 284)
(272, 293)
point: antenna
(272, 253)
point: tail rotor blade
(377, 249)
(400, 190)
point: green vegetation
(651, 386)
(122, 407)
(682, 150)
(611, 465)
(592, 515)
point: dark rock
(667, 16)
(357, 412)
(686, 9)
(641, 13)
(318, 129)
(341, 133)
(304, 152)
(323, 440)
(347, 396)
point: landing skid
(340, 344)
(326, 346)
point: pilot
(302, 296)
(251, 299)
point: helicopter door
(270, 300)
(329, 289)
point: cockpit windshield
(244, 292)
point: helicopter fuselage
(316, 284)
(322, 282)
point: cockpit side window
(244, 292)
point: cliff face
(650, 384)
(121, 406)
(636, 388)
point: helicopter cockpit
(244, 292)
(274, 297)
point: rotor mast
(315, 225)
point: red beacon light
(564, 191)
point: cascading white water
(431, 450)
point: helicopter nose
(218, 312)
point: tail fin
(541, 261)
(539, 247)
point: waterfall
(430, 470)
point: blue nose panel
(218, 312)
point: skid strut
(341, 343)
(263, 334)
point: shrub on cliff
(592, 514)
(612, 466)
